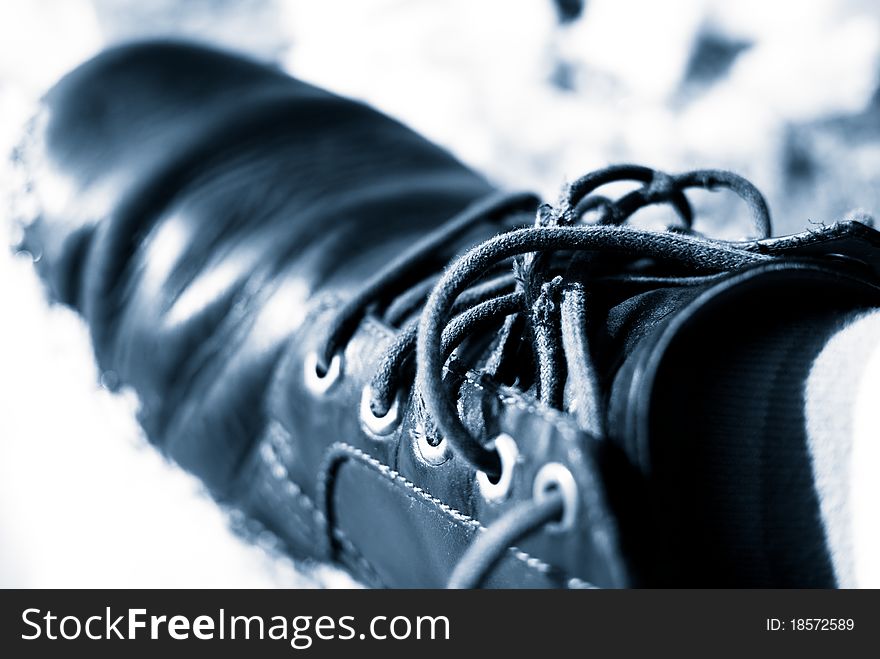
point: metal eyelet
(379, 425)
(433, 454)
(556, 476)
(315, 382)
(508, 453)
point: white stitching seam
(379, 331)
(341, 447)
(278, 471)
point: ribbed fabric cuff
(748, 472)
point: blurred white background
(783, 92)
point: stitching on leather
(341, 449)
(379, 331)
(278, 471)
(274, 499)
(348, 548)
(367, 571)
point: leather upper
(207, 216)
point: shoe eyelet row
(319, 383)
(552, 476)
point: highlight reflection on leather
(207, 214)
(225, 194)
(204, 214)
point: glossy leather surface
(194, 251)
(207, 215)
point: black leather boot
(359, 342)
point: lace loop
(481, 306)
(472, 296)
(712, 179)
(578, 200)
(530, 284)
(695, 253)
(662, 188)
